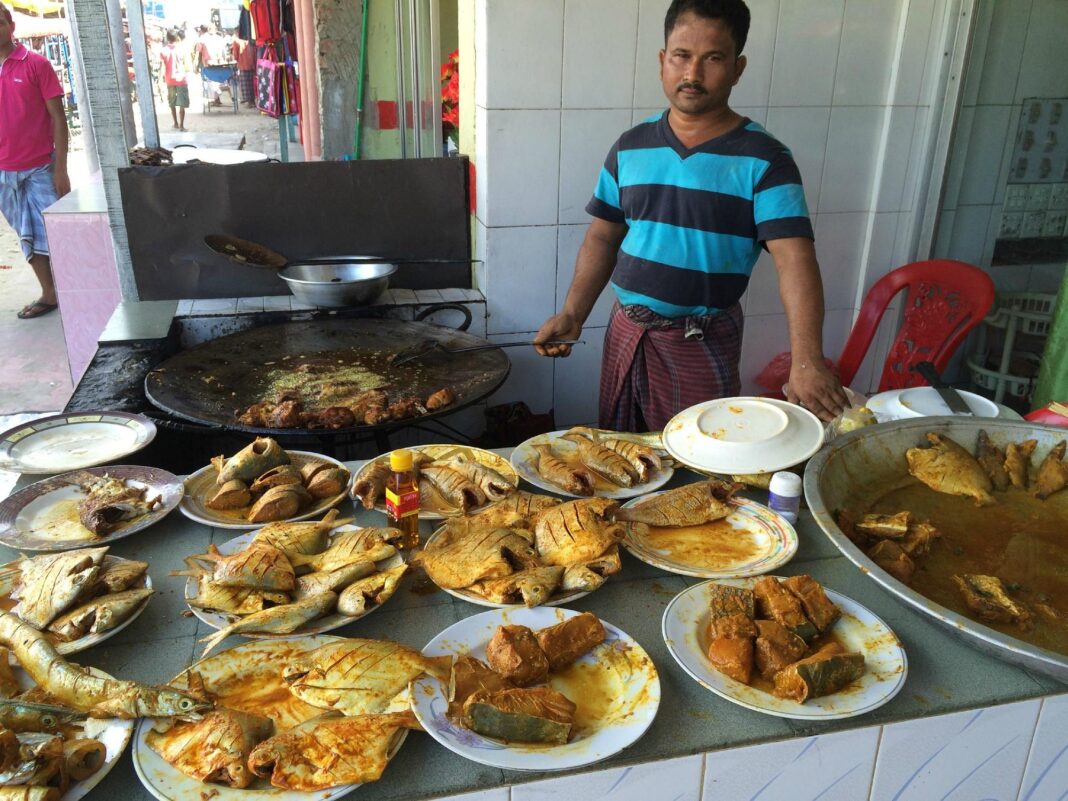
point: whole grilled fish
(369, 592)
(495, 486)
(357, 545)
(603, 460)
(455, 489)
(690, 505)
(462, 555)
(282, 619)
(232, 600)
(643, 459)
(577, 531)
(50, 583)
(214, 748)
(301, 538)
(531, 587)
(514, 511)
(575, 480)
(312, 583)
(110, 502)
(18, 715)
(77, 687)
(99, 615)
(115, 576)
(370, 484)
(358, 676)
(259, 566)
(252, 461)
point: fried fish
(992, 460)
(577, 531)
(577, 481)
(215, 748)
(690, 505)
(531, 587)
(1018, 462)
(370, 485)
(252, 461)
(948, 468)
(50, 583)
(643, 459)
(374, 590)
(258, 566)
(1052, 473)
(282, 619)
(495, 486)
(462, 555)
(110, 502)
(99, 615)
(603, 460)
(454, 488)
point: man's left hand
(814, 386)
(61, 181)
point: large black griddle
(211, 382)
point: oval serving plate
(200, 485)
(524, 460)
(60, 443)
(220, 620)
(44, 515)
(435, 508)
(685, 624)
(246, 678)
(473, 597)
(607, 720)
(750, 541)
(9, 576)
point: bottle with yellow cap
(402, 498)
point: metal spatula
(433, 346)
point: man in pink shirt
(33, 153)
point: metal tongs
(429, 346)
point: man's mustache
(696, 87)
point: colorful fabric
(246, 81)
(696, 218)
(27, 80)
(178, 96)
(24, 195)
(653, 367)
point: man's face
(7, 31)
(698, 66)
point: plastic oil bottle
(402, 498)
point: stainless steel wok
(861, 463)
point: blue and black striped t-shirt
(696, 218)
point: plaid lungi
(245, 82)
(24, 195)
(651, 370)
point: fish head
(151, 702)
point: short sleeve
(47, 81)
(605, 202)
(779, 207)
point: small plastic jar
(784, 494)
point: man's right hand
(559, 326)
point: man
(682, 207)
(33, 153)
(245, 56)
(174, 75)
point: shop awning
(38, 6)
(27, 26)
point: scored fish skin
(531, 587)
(304, 537)
(99, 615)
(603, 460)
(358, 545)
(577, 531)
(949, 468)
(214, 748)
(282, 619)
(253, 460)
(50, 583)
(370, 485)
(515, 510)
(462, 555)
(232, 600)
(369, 592)
(456, 489)
(495, 486)
(642, 458)
(258, 566)
(323, 580)
(556, 471)
(115, 577)
(689, 505)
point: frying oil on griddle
(334, 378)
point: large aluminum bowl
(864, 463)
(340, 284)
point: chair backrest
(946, 299)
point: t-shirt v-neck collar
(709, 145)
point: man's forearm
(593, 268)
(61, 139)
(801, 291)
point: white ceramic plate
(629, 705)
(473, 597)
(201, 484)
(743, 435)
(897, 404)
(219, 620)
(750, 541)
(434, 509)
(251, 679)
(63, 442)
(113, 733)
(44, 515)
(9, 576)
(524, 460)
(686, 621)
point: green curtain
(1053, 371)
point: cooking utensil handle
(429, 310)
(929, 374)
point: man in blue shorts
(33, 153)
(683, 205)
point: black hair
(734, 13)
(172, 37)
(6, 13)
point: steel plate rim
(6, 463)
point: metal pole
(417, 97)
(401, 113)
(435, 55)
(118, 52)
(81, 94)
(146, 100)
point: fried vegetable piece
(532, 715)
(775, 602)
(235, 494)
(826, 671)
(819, 609)
(892, 558)
(565, 642)
(1018, 462)
(948, 468)
(1052, 473)
(690, 505)
(732, 656)
(988, 598)
(892, 527)
(214, 748)
(992, 460)
(776, 648)
(253, 460)
(469, 676)
(514, 652)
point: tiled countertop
(944, 676)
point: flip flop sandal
(36, 309)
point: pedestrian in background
(245, 56)
(175, 75)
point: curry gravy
(1020, 539)
(595, 688)
(717, 545)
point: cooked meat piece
(287, 414)
(255, 415)
(776, 648)
(987, 597)
(892, 527)
(1052, 473)
(948, 468)
(565, 642)
(440, 399)
(918, 541)
(825, 672)
(408, 406)
(1018, 462)
(332, 417)
(888, 555)
(732, 657)
(513, 651)
(818, 607)
(287, 395)
(775, 602)
(992, 460)
(377, 414)
(365, 402)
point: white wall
(841, 82)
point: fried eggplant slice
(826, 671)
(530, 715)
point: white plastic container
(784, 495)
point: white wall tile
(576, 381)
(839, 248)
(986, 148)
(671, 780)
(568, 240)
(869, 41)
(836, 327)
(521, 176)
(806, 50)
(762, 296)
(754, 88)
(913, 52)
(521, 39)
(894, 167)
(958, 151)
(973, 69)
(1044, 48)
(831, 767)
(1046, 775)
(960, 757)
(1046, 278)
(849, 167)
(520, 278)
(641, 114)
(881, 257)
(804, 131)
(480, 236)
(585, 138)
(481, 161)
(600, 38)
(531, 378)
(916, 168)
(757, 114)
(971, 225)
(1004, 51)
(765, 337)
(942, 245)
(648, 91)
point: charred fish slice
(992, 460)
(358, 545)
(214, 748)
(99, 615)
(50, 583)
(232, 600)
(531, 587)
(577, 531)
(691, 505)
(260, 566)
(301, 538)
(110, 502)
(371, 483)
(77, 687)
(358, 676)
(18, 716)
(461, 556)
(495, 486)
(643, 459)
(603, 460)
(283, 619)
(454, 488)
(366, 593)
(556, 471)
(252, 461)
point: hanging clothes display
(277, 89)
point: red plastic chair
(946, 299)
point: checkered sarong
(24, 195)
(246, 80)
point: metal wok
(210, 382)
(864, 463)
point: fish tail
(440, 667)
(213, 640)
